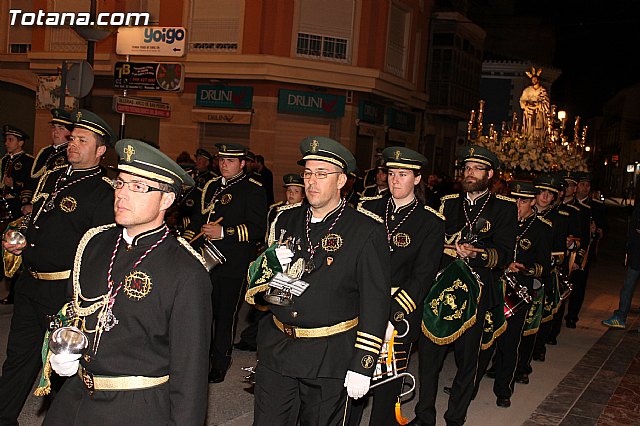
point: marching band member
(330, 336)
(481, 228)
(415, 232)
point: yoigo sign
(151, 41)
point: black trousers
(579, 280)
(526, 354)
(320, 401)
(505, 356)
(225, 297)
(466, 351)
(34, 300)
(250, 333)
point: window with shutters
(325, 29)
(216, 25)
(398, 41)
(152, 7)
(19, 36)
(65, 39)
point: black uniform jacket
(48, 158)
(534, 240)
(583, 216)
(497, 237)
(164, 317)
(18, 168)
(350, 280)
(415, 235)
(84, 200)
(242, 204)
(190, 201)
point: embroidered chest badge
(137, 285)
(68, 204)
(226, 199)
(525, 244)
(332, 242)
(401, 240)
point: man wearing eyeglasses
(68, 201)
(480, 228)
(231, 213)
(143, 299)
(330, 336)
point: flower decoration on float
(537, 144)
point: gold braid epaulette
(563, 213)
(445, 198)
(435, 212)
(504, 197)
(255, 181)
(107, 181)
(190, 249)
(279, 203)
(545, 221)
(373, 197)
(573, 207)
(369, 213)
(279, 210)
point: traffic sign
(151, 41)
(148, 76)
(141, 106)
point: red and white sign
(141, 106)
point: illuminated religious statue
(534, 102)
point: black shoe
(522, 378)
(447, 390)
(217, 375)
(539, 357)
(552, 341)
(6, 301)
(570, 323)
(503, 402)
(244, 346)
(491, 372)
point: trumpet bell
(68, 340)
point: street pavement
(231, 402)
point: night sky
(598, 51)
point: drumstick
(218, 220)
(453, 246)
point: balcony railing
(66, 40)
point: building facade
(263, 73)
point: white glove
(284, 255)
(357, 384)
(65, 364)
(389, 333)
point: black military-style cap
(326, 149)
(62, 117)
(86, 119)
(8, 129)
(141, 159)
(231, 150)
(250, 156)
(569, 177)
(480, 155)
(293, 179)
(399, 157)
(203, 153)
(583, 176)
(521, 189)
(549, 183)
